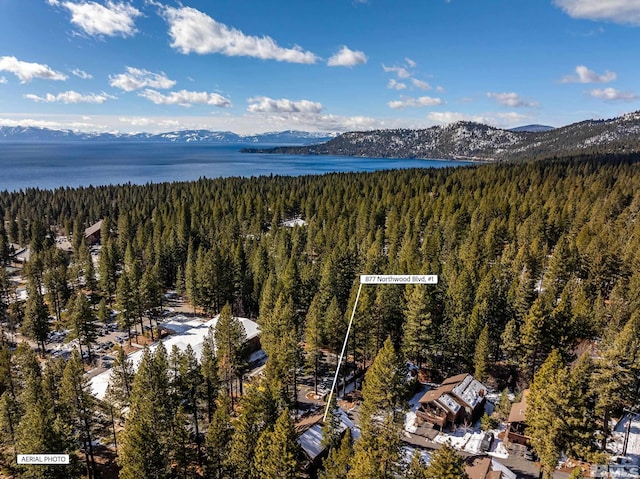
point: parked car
(487, 441)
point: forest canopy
(533, 258)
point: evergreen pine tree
(230, 338)
(278, 451)
(76, 395)
(210, 372)
(331, 427)
(547, 404)
(143, 451)
(416, 337)
(83, 322)
(481, 356)
(417, 469)
(218, 439)
(126, 304)
(446, 464)
(120, 380)
(337, 464)
(377, 453)
(36, 317)
(257, 414)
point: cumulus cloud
(585, 75)
(27, 71)
(453, 117)
(402, 72)
(423, 85)
(263, 104)
(611, 94)
(415, 102)
(70, 97)
(3, 80)
(81, 74)
(186, 98)
(347, 58)
(618, 11)
(396, 85)
(194, 31)
(136, 78)
(111, 19)
(410, 62)
(511, 100)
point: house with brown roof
(92, 233)
(480, 467)
(459, 398)
(516, 424)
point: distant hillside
(533, 128)
(474, 141)
(31, 134)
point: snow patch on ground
(457, 439)
(499, 451)
(408, 452)
(410, 422)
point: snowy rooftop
(459, 389)
(189, 332)
(295, 222)
(449, 403)
(472, 393)
(463, 386)
(311, 440)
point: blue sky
(333, 65)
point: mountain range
(475, 141)
(33, 134)
(461, 140)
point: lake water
(52, 165)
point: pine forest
(538, 266)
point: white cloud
(347, 58)
(585, 75)
(112, 19)
(3, 80)
(423, 85)
(70, 97)
(440, 89)
(415, 102)
(511, 100)
(263, 104)
(611, 94)
(400, 71)
(453, 117)
(186, 98)
(194, 31)
(27, 71)
(146, 122)
(509, 118)
(410, 62)
(82, 74)
(396, 85)
(54, 125)
(619, 11)
(136, 78)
